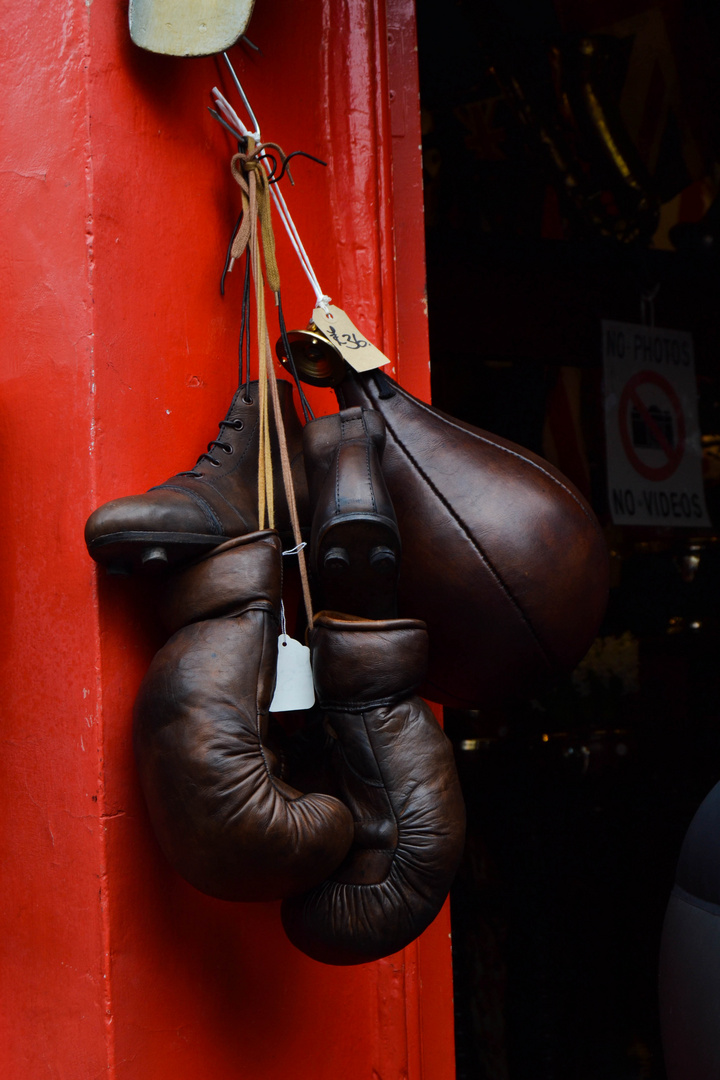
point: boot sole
(124, 552)
(356, 565)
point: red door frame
(117, 363)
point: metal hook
(271, 158)
(238, 86)
(295, 153)
(239, 130)
(233, 132)
(242, 144)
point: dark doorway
(577, 801)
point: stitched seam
(199, 501)
(359, 776)
(236, 612)
(512, 453)
(369, 475)
(233, 509)
(389, 800)
(362, 706)
(337, 473)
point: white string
(296, 549)
(230, 114)
(321, 299)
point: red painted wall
(118, 360)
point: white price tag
(345, 336)
(294, 687)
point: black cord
(275, 179)
(307, 411)
(218, 117)
(383, 384)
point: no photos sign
(653, 439)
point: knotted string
(253, 183)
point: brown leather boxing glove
(394, 769)
(223, 815)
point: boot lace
(226, 447)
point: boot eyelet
(238, 425)
(247, 400)
(227, 449)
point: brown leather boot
(215, 501)
(394, 768)
(221, 806)
(354, 539)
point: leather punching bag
(503, 559)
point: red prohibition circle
(630, 396)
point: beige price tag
(347, 339)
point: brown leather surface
(218, 502)
(235, 575)
(224, 817)
(352, 514)
(394, 768)
(502, 557)
(364, 662)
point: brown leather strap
(249, 173)
(266, 493)
(288, 483)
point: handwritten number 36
(352, 341)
